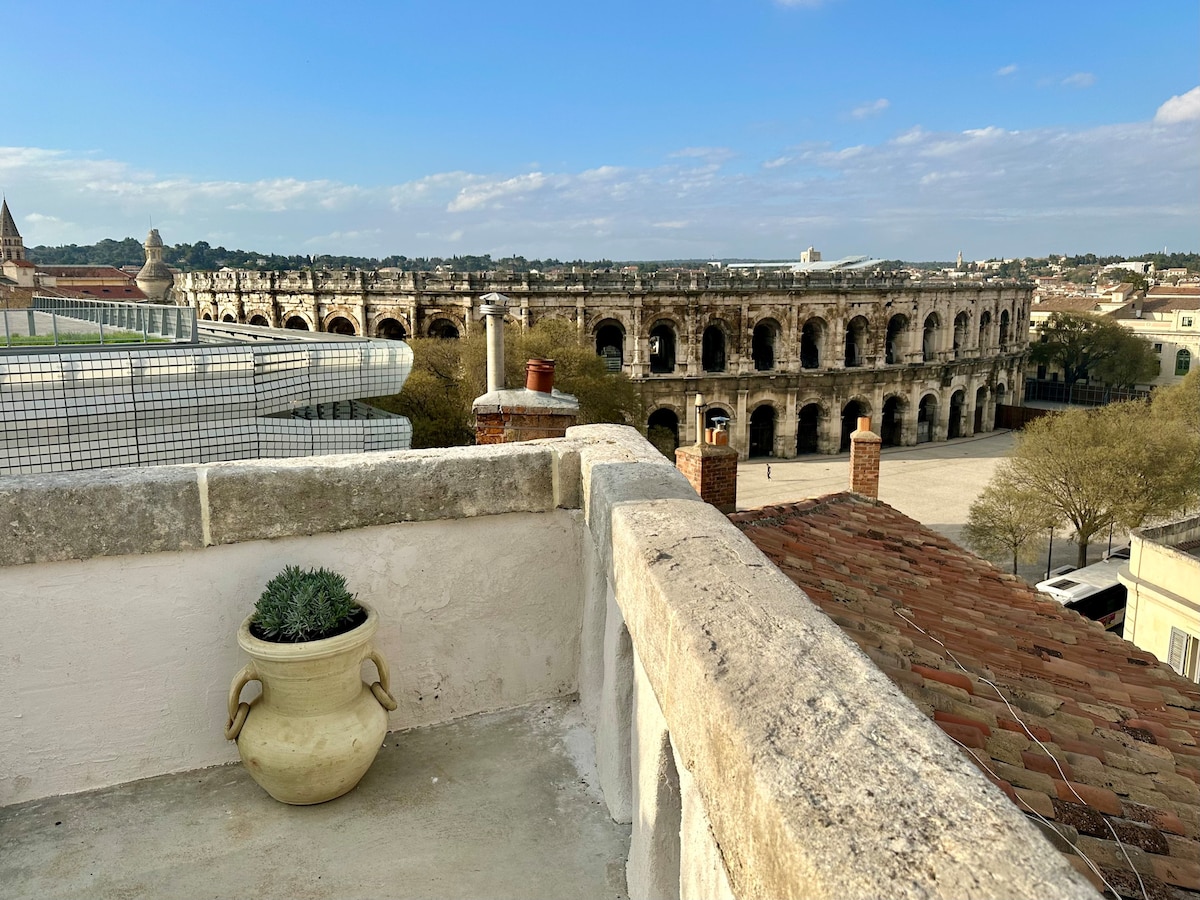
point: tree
(1118, 464)
(448, 375)
(1084, 345)
(1006, 517)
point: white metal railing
(152, 321)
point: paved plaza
(934, 483)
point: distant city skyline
(621, 130)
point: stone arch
(812, 342)
(961, 326)
(666, 418)
(958, 406)
(392, 329)
(929, 337)
(891, 420)
(853, 408)
(228, 317)
(927, 416)
(340, 324)
(206, 317)
(664, 339)
(712, 346)
(856, 341)
(896, 344)
(763, 341)
(444, 328)
(260, 321)
(610, 343)
(297, 323)
(981, 399)
(1001, 392)
(762, 430)
(1004, 329)
(808, 427)
(985, 330)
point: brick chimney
(710, 465)
(864, 459)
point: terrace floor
(498, 806)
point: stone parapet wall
(755, 750)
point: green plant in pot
(317, 726)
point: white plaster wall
(117, 668)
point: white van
(1092, 591)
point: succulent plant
(304, 605)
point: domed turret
(155, 279)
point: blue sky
(625, 130)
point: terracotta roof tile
(1071, 722)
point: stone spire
(11, 245)
(155, 279)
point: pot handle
(382, 688)
(239, 711)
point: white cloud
(916, 195)
(1180, 108)
(487, 192)
(1007, 70)
(714, 155)
(867, 110)
(1079, 80)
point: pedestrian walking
(768, 471)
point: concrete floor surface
(504, 805)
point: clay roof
(1078, 727)
(1178, 290)
(99, 291)
(1159, 305)
(1066, 304)
(19, 263)
(83, 271)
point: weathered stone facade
(793, 359)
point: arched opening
(339, 325)
(1183, 362)
(662, 349)
(891, 425)
(929, 337)
(762, 345)
(808, 429)
(444, 329)
(954, 427)
(985, 331)
(894, 348)
(610, 344)
(762, 431)
(712, 349)
(662, 430)
(856, 342)
(207, 317)
(927, 412)
(850, 413)
(960, 334)
(260, 321)
(391, 329)
(980, 407)
(812, 344)
(296, 323)
(1004, 331)
(228, 318)
(1000, 389)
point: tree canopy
(1122, 464)
(448, 375)
(1007, 516)
(1084, 345)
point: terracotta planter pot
(317, 726)
(539, 375)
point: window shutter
(1177, 654)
